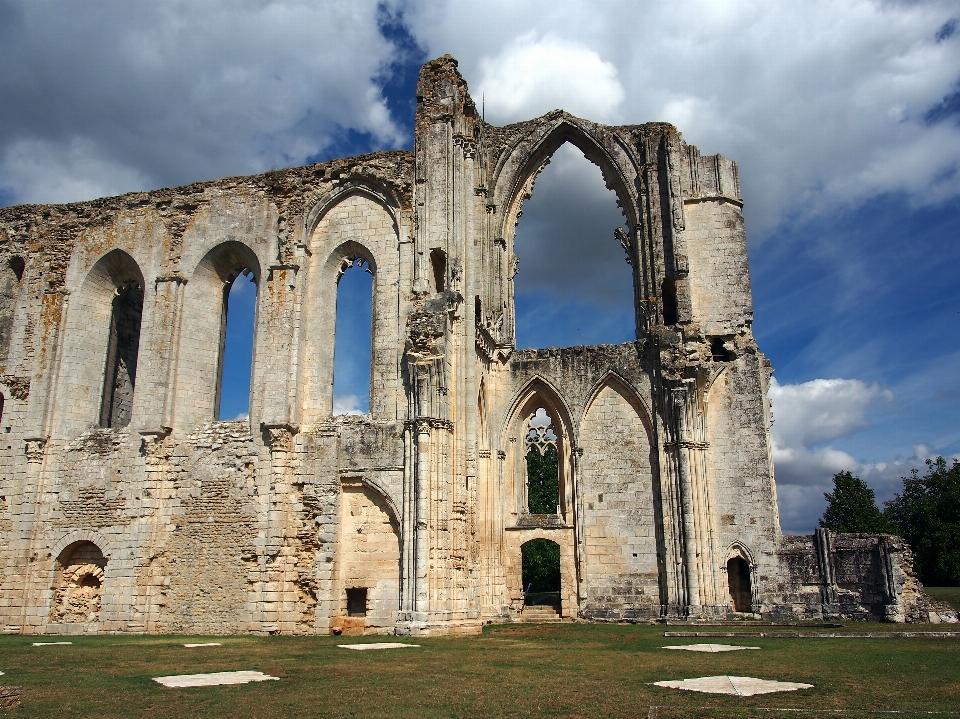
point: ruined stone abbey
(126, 506)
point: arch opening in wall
(78, 584)
(217, 356)
(120, 372)
(571, 285)
(739, 583)
(353, 337)
(438, 262)
(540, 560)
(11, 276)
(98, 369)
(543, 464)
(236, 356)
(538, 430)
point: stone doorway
(540, 559)
(738, 578)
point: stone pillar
(157, 377)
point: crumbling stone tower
(126, 506)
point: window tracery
(543, 478)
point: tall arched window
(216, 359)
(543, 469)
(354, 332)
(10, 278)
(572, 285)
(98, 370)
(236, 356)
(120, 373)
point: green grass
(950, 595)
(566, 670)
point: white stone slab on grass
(207, 644)
(710, 648)
(737, 686)
(377, 645)
(50, 644)
(213, 679)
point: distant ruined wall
(127, 506)
(851, 576)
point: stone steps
(540, 613)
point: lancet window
(543, 479)
(120, 373)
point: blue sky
(844, 119)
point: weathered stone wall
(191, 524)
(850, 576)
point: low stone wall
(870, 577)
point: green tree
(852, 507)
(927, 515)
(541, 566)
(543, 488)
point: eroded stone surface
(204, 644)
(50, 644)
(377, 645)
(737, 686)
(213, 679)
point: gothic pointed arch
(356, 228)
(517, 169)
(101, 346)
(513, 180)
(379, 195)
(618, 468)
(612, 378)
(203, 331)
(539, 442)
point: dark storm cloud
(95, 97)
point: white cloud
(813, 414)
(821, 103)
(820, 410)
(810, 414)
(533, 75)
(346, 404)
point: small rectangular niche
(357, 602)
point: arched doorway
(541, 573)
(738, 578)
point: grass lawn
(557, 670)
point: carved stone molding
(19, 386)
(423, 425)
(624, 239)
(152, 442)
(279, 437)
(34, 448)
(686, 445)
